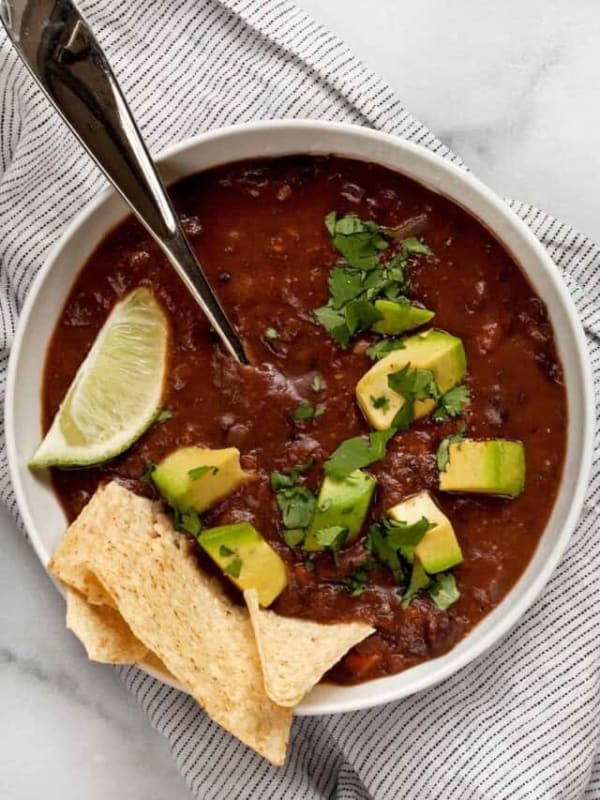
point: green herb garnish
(196, 472)
(234, 567)
(419, 579)
(271, 333)
(187, 521)
(225, 551)
(164, 415)
(332, 539)
(451, 404)
(443, 451)
(381, 402)
(390, 540)
(412, 384)
(305, 412)
(357, 581)
(296, 502)
(294, 536)
(149, 468)
(384, 347)
(444, 591)
(363, 277)
(356, 453)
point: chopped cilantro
(381, 402)
(296, 502)
(357, 581)
(443, 451)
(332, 539)
(196, 472)
(360, 315)
(164, 415)
(294, 536)
(317, 383)
(225, 551)
(359, 241)
(419, 579)
(188, 521)
(384, 347)
(271, 333)
(390, 539)
(413, 384)
(305, 411)
(451, 404)
(355, 284)
(149, 468)
(444, 591)
(356, 453)
(234, 567)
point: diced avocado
(398, 317)
(342, 503)
(198, 478)
(439, 549)
(495, 466)
(434, 350)
(246, 558)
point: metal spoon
(61, 52)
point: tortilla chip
(152, 661)
(182, 615)
(70, 563)
(296, 653)
(102, 631)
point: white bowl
(41, 512)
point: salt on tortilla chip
(102, 631)
(70, 563)
(183, 616)
(296, 653)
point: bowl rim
(450, 664)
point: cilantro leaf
(451, 403)
(384, 347)
(334, 323)
(296, 502)
(412, 384)
(234, 567)
(444, 591)
(294, 536)
(332, 539)
(287, 480)
(419, 579)
(164, 415)
(196, 472)
(360, 315)
(357, 581)
(357, 240)
(414, 246)
(187, 521)
(356, 453)
(443, 451)
(344, 285)
(305, 411)
(389, 539)
(381, 402)
(149, 468)
(271, 333)
(225, 551)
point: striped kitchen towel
(522, 721)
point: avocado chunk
(434, 350)
(341, 503)
(495, 466)
(439, 549)
(398, 317)
(246, 558)
(198, 478)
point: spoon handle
(61, 52)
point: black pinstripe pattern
(522, 722)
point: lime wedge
(117, 391)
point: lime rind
(117, 392)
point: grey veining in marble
(513, 88)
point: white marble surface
(513, 88)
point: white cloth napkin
(522, 721)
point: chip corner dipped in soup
(383, 469)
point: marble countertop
(509, 86)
